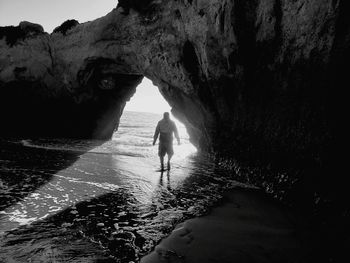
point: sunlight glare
(147, 99)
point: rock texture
(244, 76)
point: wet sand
(54, 203)
(96, 206)
(248, 227)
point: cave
(252, 81)
(253, 87)
(239, 91)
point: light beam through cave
(142, 113)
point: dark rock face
(67, 25)
(244, 76)
(137, 5)
(94, 114)
(14, 34)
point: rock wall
(44, 93)
(246, 77)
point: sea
(64, 200)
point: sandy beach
(247, 227)
(98, 207)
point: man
(165, 130)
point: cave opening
(147, 98)
(141, 115)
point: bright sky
(147, 99)
(52, 13)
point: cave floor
(247, 227)
(92, 205)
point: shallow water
(82, 201)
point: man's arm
(156, 133)
(176, 133)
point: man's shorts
(165, 145)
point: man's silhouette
(165, 130)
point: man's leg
(169, 158)
(161, 154)
(170, 152)
(161, 162)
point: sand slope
(249, 227)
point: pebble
(122, 214)
(66, 224)
(191, 209)
(79, 219)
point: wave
(132, 126)
(133, 138)
(31, 144)
(107, 150)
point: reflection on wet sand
(118, 202)
(23, 172)
(161, 183)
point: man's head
(166, 116)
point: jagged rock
(24, 30)
(140, 6)
(31, 28)
(67, 25)
(244, 76)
